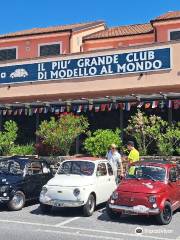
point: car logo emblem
(131, 199)
(59, 191)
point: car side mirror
(172, 178)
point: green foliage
(8, 137)
(145, 130)
(99, 142)
(62, 133)
(23, 150)
(169, 141)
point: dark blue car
(21, 179)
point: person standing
(114, 159)
(134, 154)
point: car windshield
(77, 167)
(10, 167)
(154, 173)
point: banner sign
(121, 63)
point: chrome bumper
(126, 209)
(62, 203)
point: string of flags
(102, 107)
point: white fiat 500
(79, 183)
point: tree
(98, 143)
(8, 137)
(145, 130)
(169, 141)
(61, 133)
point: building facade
(104, 73)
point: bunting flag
(56, 110)
(97, 107)
(161, 104)
(74, 108)
(45, 110)
(103, 107)
(4, 112)
(140, 105)
(90, 107)
(40, 110)
(169, 103)
(68, 108)
(9, 112)
(35, 110)
(26, 111)
(15, 112)
(109, 107)
(85, 108)
(154, 104)
(20, 111)
(127, 106)
(79, 109)
(52, 109)
(62, 109)
(147, 105)
(176, 104)
(30, 112)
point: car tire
(45, 208)
(111, 214)
(17, 202)
(89, 207)
(165, 216)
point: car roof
(92, 159)
(156, 162)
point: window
(110, 171)
(173, 173)
(7, 54)
(175, 35)
(34, 168)
(50, 49)
(101, 169)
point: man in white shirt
(114, 159)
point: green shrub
(61, 134)
(98, 144)
(8, 137)
(23, 150)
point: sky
(18, 15)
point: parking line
(66, 222)
(85, 229)
(81, 235)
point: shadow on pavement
(130, 219)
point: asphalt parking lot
(69, 224)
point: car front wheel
(89, 207)
(165, 216)
(17, 202)
(45, 208)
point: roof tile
(127, 30)
(168, 15)
(73, 27)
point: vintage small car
(22, 179)
(80, 182)
(149, 188)
(20, 72)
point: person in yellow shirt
(134, 154)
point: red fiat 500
(149, 188)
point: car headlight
(4, 189)
(114, 196)
(44, 190)
(76, 192)
(152, 199)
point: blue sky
(25, 14)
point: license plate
(140, 209)
(57, 204)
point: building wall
(124, 84)
(108, 43)
(163, 29)
(76, 38)
(27, 47)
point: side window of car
(36, 168)
(110, 171)
(101, 169)
(173, 173)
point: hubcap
(18, 200)
(91, 204)
(167, 213)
